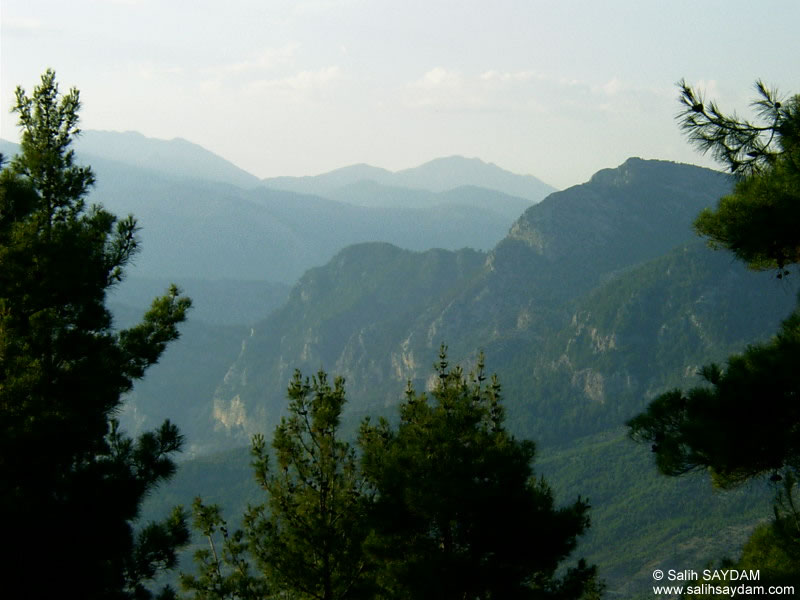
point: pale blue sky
(555, 89)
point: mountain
(8, 149)
(343, 317)
(471, 195)
(599, 298)
(443, 174)
(509, 302)
(438, 175)
(181, 385)
(214, 301)
(371, 193)
(323, 185)
(199, 224)
(176, 157)
(596, 299)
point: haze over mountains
(377, 314)
(597, 298)
(439, 175)
(204, 218)
(586, 303)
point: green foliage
(458, 512)
(745, 148)
(768, 551)
(764, 552)
(745, 422)
(377, 311)
(445, 506)
(70, 482)
(642, 520)
(757, 222)
(307, 539)
(224, 568)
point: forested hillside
(599, 298)
(365, 315)
(321, 300)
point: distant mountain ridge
(438, 175)
(204, 218)
(376, 195)
(176, 157)
(181, 158)
(597, 298)
(515, 297)
(600, 297)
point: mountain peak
(178, 156)
(438, 175)
(637, 169)
(657, 199)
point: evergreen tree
(758, 221)
(224, 567)
(71, 483)
(744, 421)
(458, 513)
(306, 539)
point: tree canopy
(306, 539)
(71, 482)
(458, 511)
(444, 506)
(758, 221)
(744, 420)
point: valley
(587, 302)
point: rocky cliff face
(652, 328)
(377, 315)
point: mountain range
(377, 313)
(586, 302)
(599, 297)
(203, 218)
(439, 175)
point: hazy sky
(557, 89)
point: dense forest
(584, 395)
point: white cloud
(439, 77)
(123, 2)
(22, 25)
(529, 92)
(299, 82)
(493, 90)
(149, 70)
(611, 88)
(509, 77)
(267, 59)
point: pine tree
(225, 566)
(308, 537)
(743, 422)
(71, 483)
(458, 512)
(758, 221)
(306, 540)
